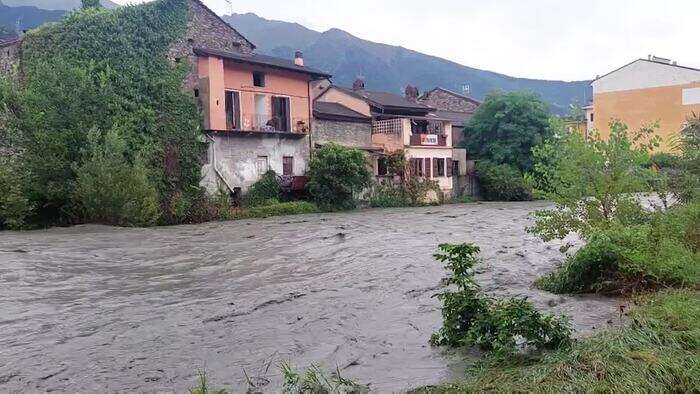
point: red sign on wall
(428, 139)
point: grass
(277, 209)
(658, 351)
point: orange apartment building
(643, 92)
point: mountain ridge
(391, 68)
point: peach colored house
(257, 113)
(644, 92)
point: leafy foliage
(276, 208)
(405, 188)
(388, 194)
(265, 189)
(591, 181)
(506, 127)
(663, 252)
(656, 353)
(502, 182)
(469, 318)
(336, 174)
(314, 380)
(111, 190)
(109, 70)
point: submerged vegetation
(336, 175)
(501, 326)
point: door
(233, 110)
(280, 113)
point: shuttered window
(287, 165)
(428, 169)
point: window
(417, 167)
(233, 110)
(382, 166)
(439, 167)
(196, 93)
(287, 165)
(591, 116)
(262, 164)
(259, 79)
(455, 167)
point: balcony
(428, 140)
(274, 124)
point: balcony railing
(428, 140)
(276, 124)
(390, 126)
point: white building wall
(643, 74)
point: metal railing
(277, 124)
(390, 126)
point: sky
(543, 39)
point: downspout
(214, 163)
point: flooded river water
(101, 309)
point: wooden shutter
(448, 167)
(435, 167)
(428, 169)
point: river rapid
(102, 309)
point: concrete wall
(445, 182)
(353, 134)
(236, 158)
(639, 107)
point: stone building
(9, 56)
(454, 106)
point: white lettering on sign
(428, 139)
(691, 96)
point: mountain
(28, 17)
(391, 68)
(63, 5)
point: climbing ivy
(108, 70)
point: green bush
(261, 192)
(665, 160)
(278, 209)
(336, 174)
(469, 318)
(388, 195)
(112, 191)
(502, 182)
(15, 207)
(663, 252)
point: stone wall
(237, 157)
(206, 29)
(351, 134)
(446, 101)
(9, 58)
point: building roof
(10, 42)
(339, 112)
(385, 100)
(262, 60)
(456, 118)
(645, 60)
(473, 100)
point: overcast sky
(546, 39)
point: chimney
(411, 93)
(358, 85)
(299, 58)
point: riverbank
(658, 351)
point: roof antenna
(230, 5)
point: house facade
(643, 92)
(257, 109)
(397, 124)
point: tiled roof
(386, 100)
(263, 60)
(457, 118)
(336, 111)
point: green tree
(506, 127)
(336, 174)
(591, 180)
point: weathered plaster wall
(351, 134)
(445, 182)
(334, 95)
(236, 157)
(442, 100)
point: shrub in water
(469, 318)
(502, 182)
(267, 188)
(336, 174)
(388, 195)
(279, 209)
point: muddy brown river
(101, 309)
